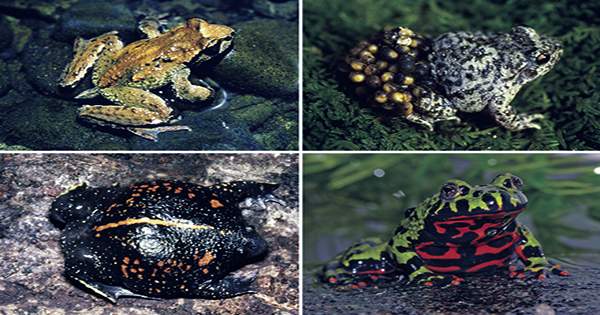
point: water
(260, 111)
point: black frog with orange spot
(162, 239)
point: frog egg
(373, 49)
(366, 56)
(381, 65)
(406, 63)
(357, 65)
(387, 76)
(381, 97)
(370, 70)
(399, 97)
(408, 80)
(357, 77)
(389, 88)
(389, 54)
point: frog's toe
(441, 281)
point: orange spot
(332, 280)
(140, 276)
(182, 286)
(141, 269)
(132, 221)
(167, 184)
(174, 263)
(188, 267)
(153, 188)
(126, 260)
(130, 200)
(216, 203)
(168, 270)
(205, 270)
(144, 186)
(97, 234)
(133, 270)
(206, 259)
(136, 262)
(191, 195)
(160, 263)
(178, 190)
(124, 271)
(135, 195)
(111, 207)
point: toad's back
(146, 62)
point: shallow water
(259, 75)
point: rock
(4, 78)
(261, 63)
(280, 10)
(44, 123)
(90, 19)
(6, 34)
(44, 9)
(6, 147)
(44, 60)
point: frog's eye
(513, 182)
(228, 38)
(449, 191)
(542, 59)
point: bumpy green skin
(463, 229)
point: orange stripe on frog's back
(143, 54)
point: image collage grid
(299, 157)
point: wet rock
(44, 9)
(4, 78)
(44, 60)
(261, 63)
(276, 9)
(90, 19)
(6, 34)
(50, 124)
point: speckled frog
(460, 230)
(162, 239)
(126, 74)
(431, 79)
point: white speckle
(79, 207)
(224, 125)
(597, 170)
(379, 172)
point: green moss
(568, 95)
(261, 63)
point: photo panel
(407, 233)
(149, 233)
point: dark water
(349, 197)
(259, 75)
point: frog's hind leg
(137, 108)
(506, 116)
(184, 89)
(87, 52)
(363, 264)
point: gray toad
(430, 80)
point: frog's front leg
(530, 253)
(136, 109)
(184, 89)
(150, 26)
(506, 116)
(418, 272)
(87, 52)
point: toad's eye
(542, 59)
(449, 191)
(228, 38)
(517, 182)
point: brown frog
(126, 74)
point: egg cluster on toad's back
(390, 71)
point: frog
(432, 79)
(126, 74)
(161, 239)
(460, 230)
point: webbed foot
(111, 293)
(537, 272)
(228, 287)
(438, 280)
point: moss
(261, 63)
(568, 95)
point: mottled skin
(125, 74)
(160, 239)
(463, 229)
(484, 71)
